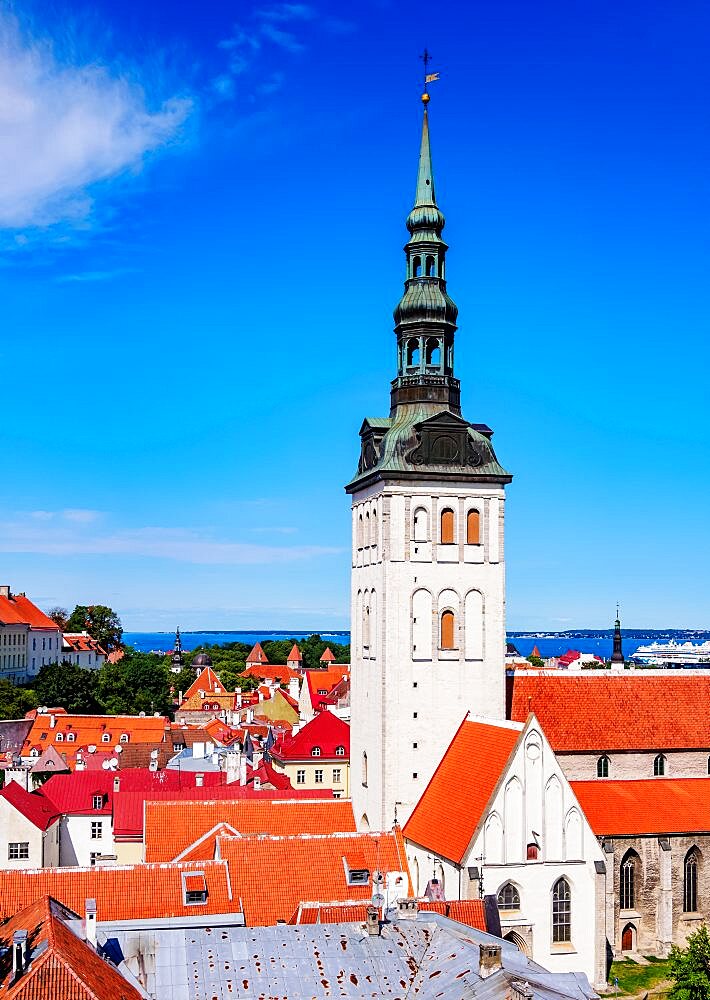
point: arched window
(421, 525)
(106, 737)
(59, 738)
(561, 912)
(433, 351)
(473, 528)
(359, 531)
(71, 737)
(659, 766)
(533, 852)
(603, 767)
(690, 882)
(430, 266)
(124, 737)
(417, 267)
(412, 353)
(364, 769)
(315, 752)
(508, 897)
(340, 751)
(447, 527)
(367, 528)
(366, 627)
(447, 630)
(627, 881)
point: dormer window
(340, 751)
(71, 737)
(97, 802)
(316, 752)
(124, 737)
(356, 871)
(59, 738)
(194, 888)
(106, 737)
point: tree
(140, 682)
(536, 661)
(60, 616)
(15, 702)
(102, 623)
(66, 685)
(690, 968)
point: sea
(548, 643)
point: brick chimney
(489, 960)
(199, 780)
(373, 921)
(116, 784)
(90, 923)
(407, 909)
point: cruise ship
(682, 653)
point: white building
(499, 817)
(428, 571)
(29, 829)
(28, 638)
(79, 648)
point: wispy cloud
(90, 276)
(64, 127)
(73, 533)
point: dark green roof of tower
(425, 214)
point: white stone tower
(428, 572)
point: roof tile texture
(650, 806)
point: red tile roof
(257, 655)
(651, 806)
(62, 965)
(600, 711)
(272, 875)
(324, 680)
(328, 655)
(295, 655)
(326, 732)
(32, 805)
(74, 732)
(207, 681)
(122, 892)
(271, 672)
(448, 813)
(81, 642)
(19, 610)
(170, 828)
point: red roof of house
(272, 875)
(207, 681)
(61, 964)
(257, 655)
(81, 642)
(600, 711)
(170, 828)
(328, 655)
(32, 805)
(271, 672)
(122, 892)
(325, 732)
(268, 775)
(649, 806)
(78, 732)
(324, 681)
(19, 610)
(295, 655)
(448, 813)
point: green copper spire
(425, 317)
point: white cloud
(65, 127)
(47, 535)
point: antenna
(118, 748)
(91, 748)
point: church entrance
(628, 938)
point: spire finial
(428, 77)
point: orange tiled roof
(602, 711)
(62, 965)
(271, 672)
(196, 702)
(19, 610)
(122, 892)
(272, 875)
(324, 680)
(91, 730)
(170, 827)
(81, 642)
(257, 655)
(650, 806)
(208, 681)
(295, 655)
(448, 813)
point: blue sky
(201, 220)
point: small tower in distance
(177, 660)
(617, 657)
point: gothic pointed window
(508, 897)
(473, 528)
(603, 767)
(561, 912)
(447, 527)
(659, 766)
(690, 881)
(628, 874)
(447, 629)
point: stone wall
(635, 764)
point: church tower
(428, 572)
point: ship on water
(673, 654)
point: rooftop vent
(489, 960)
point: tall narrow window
(659, 766)
(690, 882)
(603, 767)
(412, 353)
(473, 528)
(417, 267)
(447, 527)
(561, 912)
(627, 883)
(364, 769)
(433, 351)
(421, 525)
(508, 897)
(447, 630)
(430, 266)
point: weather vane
(428, 77)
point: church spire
(618, 655)
(425, 317)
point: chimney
(19, 953)
(199, 780)
(116, 784)
(52, 721)
(250, 715)
(373, 921)
(407, 909)
(180, 697)
(489, 960)
(239, 699)
(90, 907)
(4, 591)
(293, 687)
(520, 991)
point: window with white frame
(18, 851)
(340, 751)
(300, 777)
(97, 828)
(97, 802)
(315, 752)
(337, 775)
(318, 778)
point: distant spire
(618, 654)
(177, 657)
